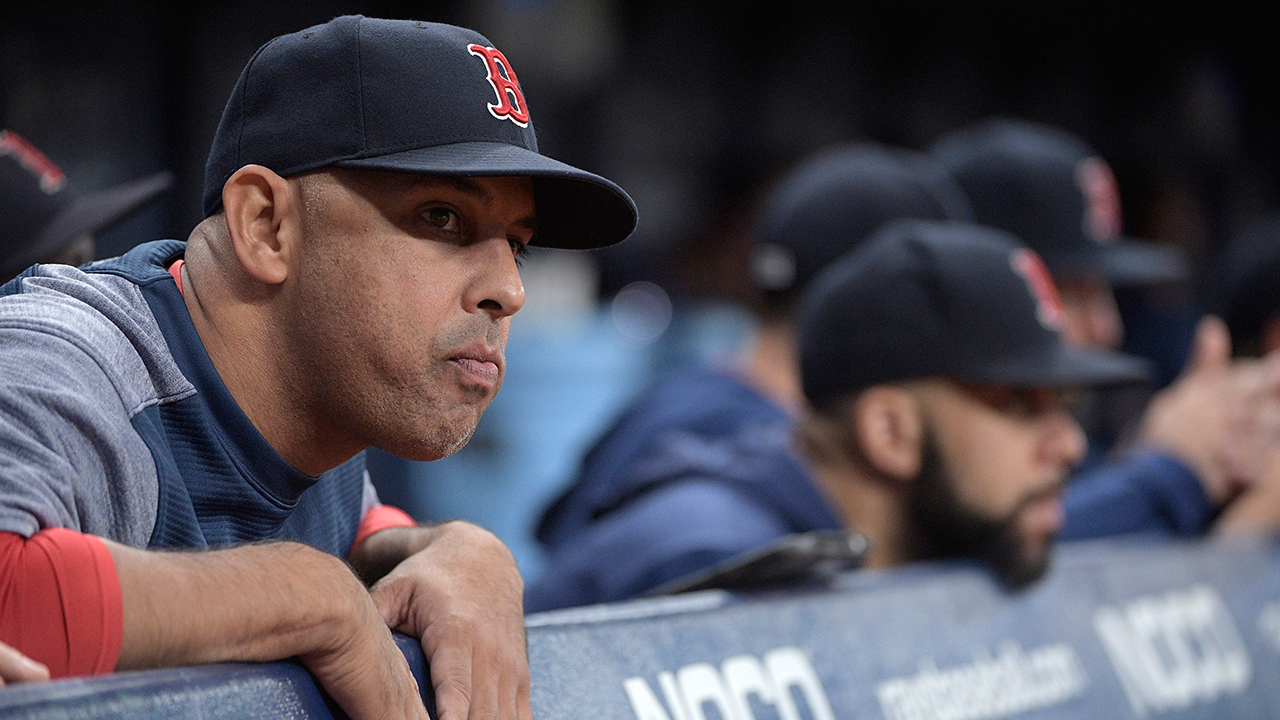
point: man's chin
(1022, 569)
(434, 443)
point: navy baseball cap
(926, 298)
(41, 215)
(1048, 187)
(404, 96)
(835, 198)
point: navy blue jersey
(702, 467)
(699, 469)
(114, 422)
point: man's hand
(1253, 452)
(1222, 418)
(1190, 418)
(16, 667)
(265, 602)
(459, 590)
(1253, 439)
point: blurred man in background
(661, 492)
(1161, 467)
(938, 378)
(42, 220)
(1243, 290)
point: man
(368, 194)
(1049, 188)
(936, 371)
(601, 546)
(43, 220)
(1165, 473)
(1241, 289)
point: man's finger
(1211, 346)
(16, 667)
(386, 595)
(523, 710)
(451, 675)
(524, 703)
(1270, 373)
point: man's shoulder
(704, 401)
(105, 286)
(756, 466)
(97, 314)
(145, 263)
(702, 392)
(687, 408)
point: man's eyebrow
(461, 184)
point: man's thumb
(1211, 346)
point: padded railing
(1118, 629)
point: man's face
(993, 465)
(405, 290)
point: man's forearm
(261, 603)
(256, 602)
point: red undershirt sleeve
(381, 517)
(176, 271)
(60, 601)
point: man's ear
(889, 428)
(264, 219)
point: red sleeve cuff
(60, 601)
(381, 517)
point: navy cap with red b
(404, 96)
(1057, 195)
(834, 198)
(40, 214)
(924, 298)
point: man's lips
(479, 364)
(1045, 508)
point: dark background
(692, 107)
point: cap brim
(1124, 262)
(93, 212)
(576, 209)
(1065, 367)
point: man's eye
(442, 218)
(1016, 403)
(1035, 403)
(1022, 404)
(519, 250)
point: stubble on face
(370, 368)
(941, 525)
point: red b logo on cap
(50, 175)
(1048, 303)
(1102, 199)
(511, 105)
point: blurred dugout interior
(693, 108)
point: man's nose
(497, 289)
(1066, 441)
